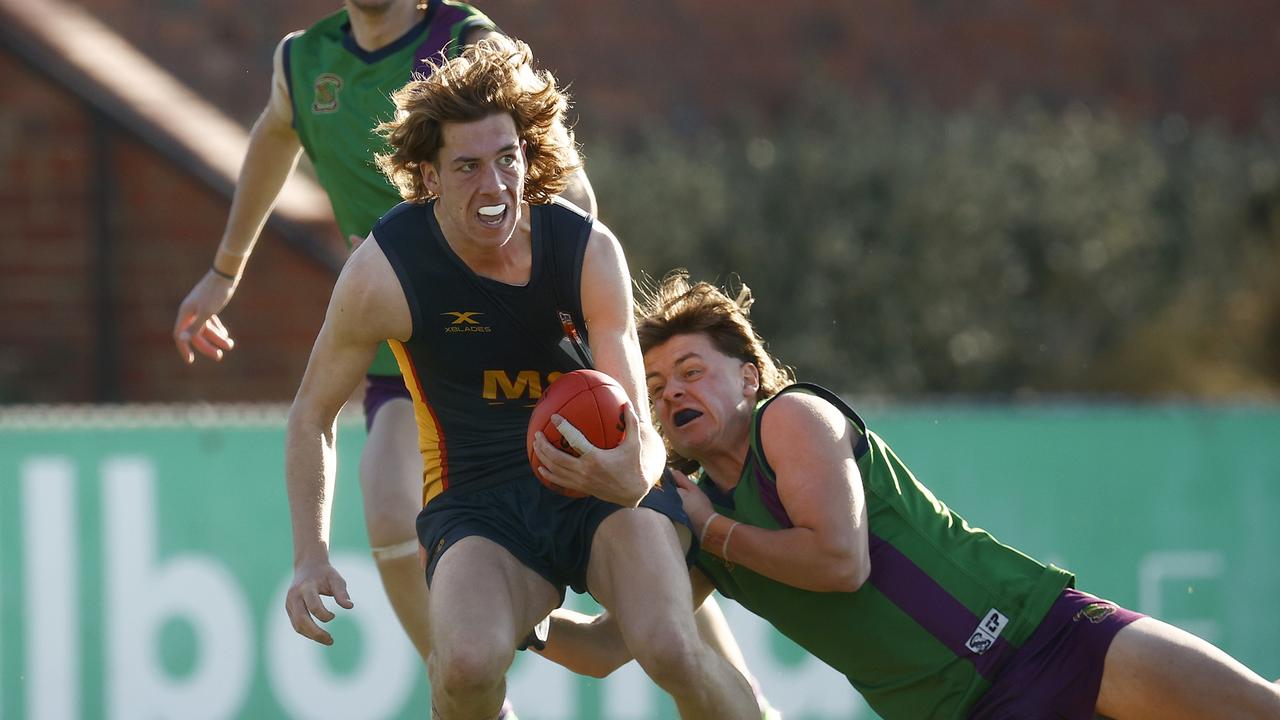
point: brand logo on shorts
(984, 636)
(326, 99)
(1095, 612)
(465, 322)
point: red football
(592, 402)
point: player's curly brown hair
(676, 306)
(496, 75)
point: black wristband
(221, 274)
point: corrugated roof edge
(79, 53)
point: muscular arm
(608, 311)
(367, 307)
(271, 156)
(592, 644)
(626, 473)
(810, 446)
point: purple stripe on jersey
(443, 18)
(931, 606)
(769, 496)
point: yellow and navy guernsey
(482, 351)
(340, 93)
(945, 608)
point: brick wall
(679, 61)
(164, 226)
(689, 61)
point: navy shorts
(1057, 673)
(547, 532)
(378, 389)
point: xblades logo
(463, 317)
(465, 322)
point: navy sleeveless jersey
(482, 351)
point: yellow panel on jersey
(435, 460)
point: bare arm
(592, 644)
(367, 307)
(624, 474)
(272, 154)
(810, 446)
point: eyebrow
(679, 360)
(501, 151)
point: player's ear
(430, 177)
(750, 379)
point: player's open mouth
(684, 417)
(492, 214)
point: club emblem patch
(326, 97)
(1095, 612)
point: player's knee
(469, 669)
(670, 657)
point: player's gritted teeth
(492, 214)
(684, 417)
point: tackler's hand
(696, 504)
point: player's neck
(374, 29)
(510, 262)
(724, 468)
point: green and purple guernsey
(945, 606)
(340, 93)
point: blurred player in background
(812, 522)
(479, 150)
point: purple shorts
(1057, 673)
(378, 390)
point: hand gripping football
(592, 402)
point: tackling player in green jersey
(810, 520)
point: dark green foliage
(915, 253)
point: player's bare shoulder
(368, 298)
(796, 419)
(280, 103)
(604, 252)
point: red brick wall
(165, 226)
(687, 60)
(681, 61)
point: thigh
(638, 572)
(391, 473)
(663, 499)
(1153, 669)
(481, 593)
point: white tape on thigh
(399, 550)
